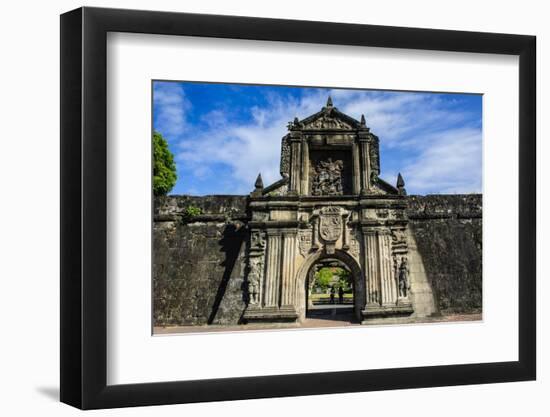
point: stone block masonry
(198, 261)
(448, 234)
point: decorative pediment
(329, 118)
(327, 122)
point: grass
(327, 296)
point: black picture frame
(84, 207)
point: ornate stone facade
(330, 204)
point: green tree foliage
(328, 276)
(323, 278)
(344, 279)
(164, 168)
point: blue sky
(223, 135)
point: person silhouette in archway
(332, 293)
(341, 295)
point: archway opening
(330, 291)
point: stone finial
(363, 121)
(259, 184)
(329, 102)
(258, 187)
(294, 124)
(401, 185)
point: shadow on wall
(197, 273)
(231, 245)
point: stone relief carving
(374, 154)
(354, 244)
(398, 236)
(304, 241)
(285, 157)
(328, 178)
(330, 224)
(257, 240)
(403, 283)
(327, 122)
(382, 213)
(260, 216)
(255, 275)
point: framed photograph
(259, 208)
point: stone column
(372, 285)
(272, 271)
(295, 166)
(387, 281)
(289, 255)
(356, 169)
(365, 166)
(305, 168)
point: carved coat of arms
(330, 227)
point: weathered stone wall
(199, 259)
(448, 234)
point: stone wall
(198, 259)
(448, 234)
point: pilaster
(372, 285)
(388, 287)
(272, 272)
(289, 257)
(365, 165)
(305, 169)
(295, 163)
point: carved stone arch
(348, 261)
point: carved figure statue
(403, 278)
(254, 283)
(328, 178)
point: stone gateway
(330, 207)
(330, 190)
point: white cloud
(449, 163)
(170, 106)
